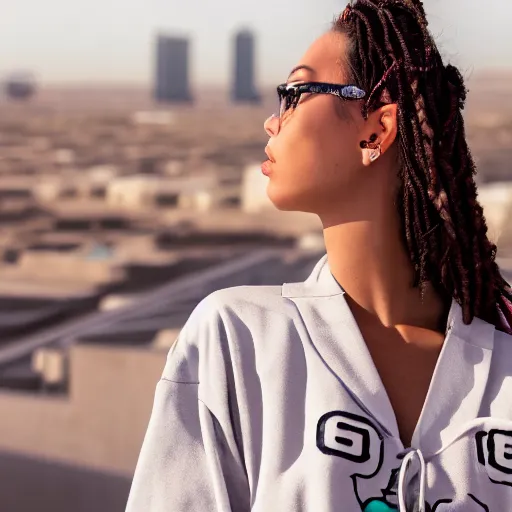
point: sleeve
(187, 462)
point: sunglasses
(289, 94)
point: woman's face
(316, 160)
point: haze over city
(98, 41)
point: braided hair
(392, 55)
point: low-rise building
(254, 196)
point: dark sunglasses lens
(289, 99)
(281, 101)
(284, 95)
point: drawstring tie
(405, 476)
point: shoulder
(221, 323)
(244, 300)
(236, 303)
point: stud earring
(369, 143)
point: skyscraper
(172, 69)
(244, 89)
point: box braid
(393, 56)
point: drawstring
(402, 481)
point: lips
(265, 167)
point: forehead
(326, 55)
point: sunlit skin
(319, 167)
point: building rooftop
(167, 305)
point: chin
(287, 202)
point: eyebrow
(298, 68)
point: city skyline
(112, 42)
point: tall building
(244, 88)
(172, 69)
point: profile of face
(316, 163)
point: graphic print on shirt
(494, 451)
(356, 439)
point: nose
(271, 125)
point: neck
(369, 260)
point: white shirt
(270, 401)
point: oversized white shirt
(270, 401)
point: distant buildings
(244, 89)
(172, 70)
(20, 86)
(253, 196)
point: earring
(371, 151)
(368, 143)
(373, 154)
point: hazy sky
(112, 40)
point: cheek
(343, 170)
(317, 160)
(315, 176)
(298, 173)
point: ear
(389, 125)
(384, 123)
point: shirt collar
(321, 283)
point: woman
(383, 382)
